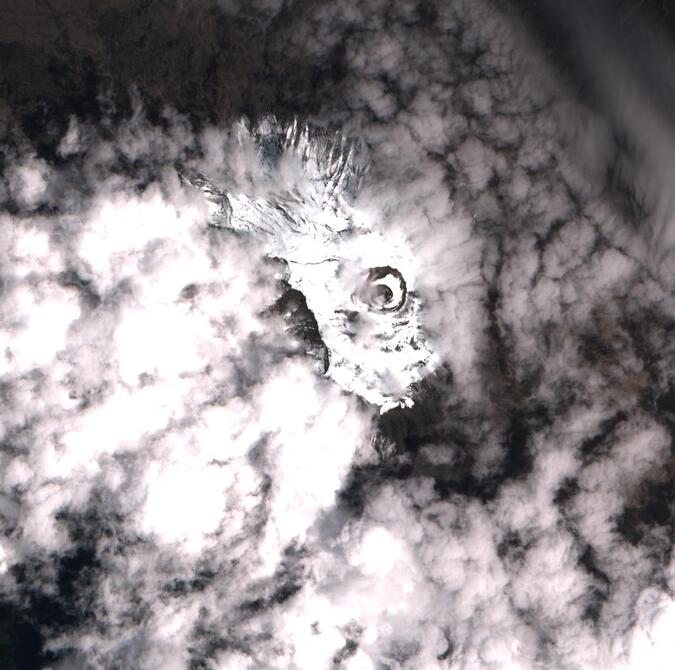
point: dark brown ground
(84, 57)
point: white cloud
(28, 181)
(235, 506)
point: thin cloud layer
(181, 487)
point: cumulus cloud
(618, 59)
(180, 486)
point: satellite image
(337, 335)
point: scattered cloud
(180, 487)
